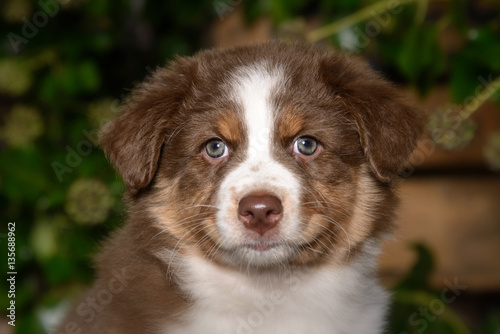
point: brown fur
(366, 133)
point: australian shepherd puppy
(260, 183)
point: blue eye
(305, 146)
(216, 148)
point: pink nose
(260, 212)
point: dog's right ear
(133, 141)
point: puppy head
(264, 155)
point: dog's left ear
(388, 127)
(133, 141)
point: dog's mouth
(262, 246)
(258, 253)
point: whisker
(178, 224)
(331, 220)
(321, 242)
(319, 206)
(307, 245)
(175, 252)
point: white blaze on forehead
(251, 88)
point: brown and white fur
(260, 237)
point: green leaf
(282, 10)
(463, 78)
(59, 269)
(420, 57)
(88, 76)
(419, 274)
(97, 8)
(345, 6)
(252, 11)
(29, 324)
(49, 88)
(23, 179)
(484, 48)
(67, 79)
(493, 323)
(459, 15)
(496, 97)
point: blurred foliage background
(66, 65)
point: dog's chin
(259, 254)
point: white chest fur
(320, 300)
